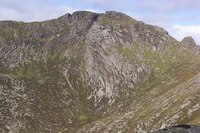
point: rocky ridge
(90, 72)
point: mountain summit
(189, 41)
(91, 73)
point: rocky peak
(90, 72)
(188, 41)
(78, 15)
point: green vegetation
(29, 69)
(49, 88)
(125, 52)
(110, 19)
(83, 118)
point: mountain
(189, 41)
(92, 73)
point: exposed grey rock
(180, 129)
(189, 41)
(90, 72)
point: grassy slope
(172, 78)
(166, 97)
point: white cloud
(180, 31)
(34, 10)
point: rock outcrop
(90, 72)
(180, 129)
(189, 41)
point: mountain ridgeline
(96, 73)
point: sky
(180, 18)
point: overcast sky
(180, 17)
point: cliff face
(88, 72)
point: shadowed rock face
(180, 129)
(189, 41)
(88, 72)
